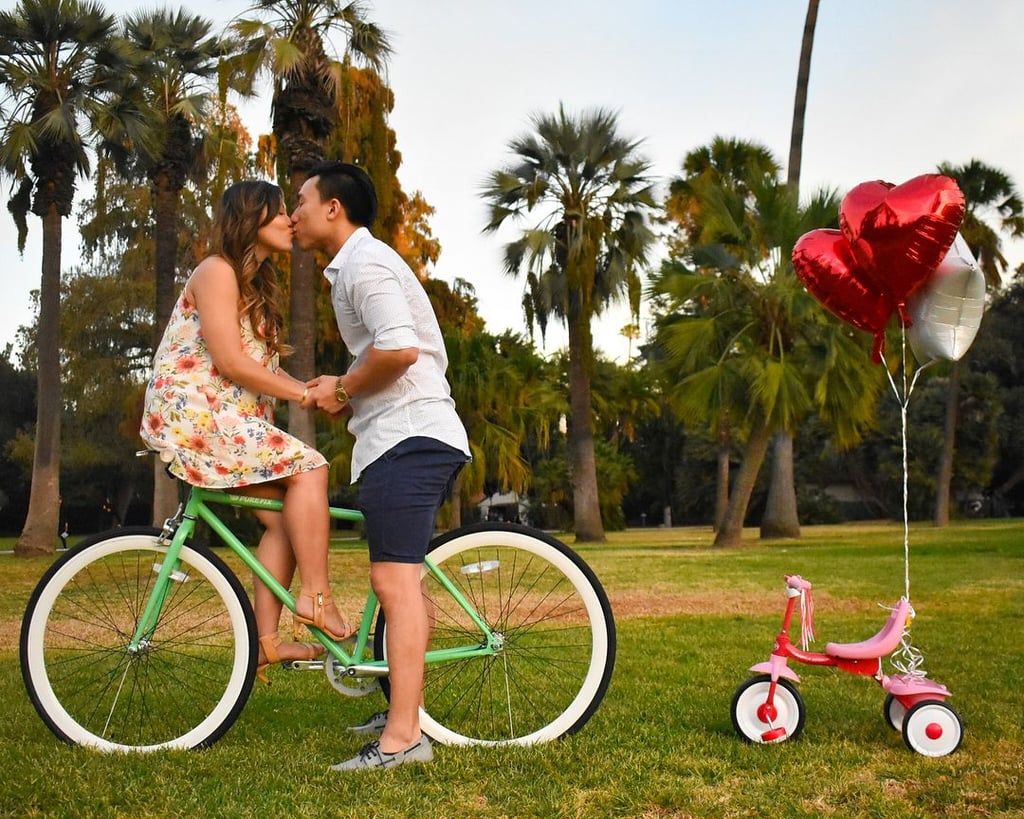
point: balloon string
(903, 399)
(907, 659)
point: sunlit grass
(691, 620)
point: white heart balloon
(946, 312)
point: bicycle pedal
(303, 665)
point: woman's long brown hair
(245, 207)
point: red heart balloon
(899, 234)
(825, 264)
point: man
(409, 441)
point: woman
(209, 410)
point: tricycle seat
(882, 644)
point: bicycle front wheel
(556, 630)
(184, 686)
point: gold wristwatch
(339, 392)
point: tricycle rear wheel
(932, 728)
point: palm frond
(584, 187)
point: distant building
(506, 507)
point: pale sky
(896, 87)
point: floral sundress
(211, 431)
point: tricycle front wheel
(757, 720)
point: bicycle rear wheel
(557, 632)
(183, 688)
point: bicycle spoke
(551, 660)
(180, 686)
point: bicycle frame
(179, 529)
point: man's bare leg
(400, 594)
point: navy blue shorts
(400, 493)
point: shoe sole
(369, 728)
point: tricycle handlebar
(795, 581)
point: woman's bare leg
(275, 553)
(297, 536)
(307, 524)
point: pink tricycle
(768, 708)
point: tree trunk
(302, 334)
(1015, 478)
(731, 532)
(582, 461)
(43, 520)
(780, 513)
(945, 476)
(722, 481)
(165, 493)
(781, 517)
(166, 209)
(803, 76)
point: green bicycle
(139, 639)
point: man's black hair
(351, 186)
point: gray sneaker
(371, 756)
(374, 725)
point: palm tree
(586, 191)
(289, 41)
(733, 164)
(803, 75)
(625, 399)
(501, 408)
(64, 76)
(504, 399)
(781, 518)
(993, 207)
(179, 59)
(725, 169)
(747, 348)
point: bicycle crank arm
(303, 665)
(366, 671)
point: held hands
(323, 392)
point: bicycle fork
(175, 532)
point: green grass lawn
(691, 621)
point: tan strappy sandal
(270, 643)
(321, 602)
